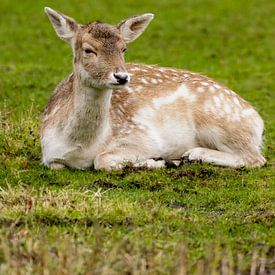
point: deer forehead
(101, 36)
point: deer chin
(115, 86)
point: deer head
(99, 48)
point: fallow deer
(108, 113)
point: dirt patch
(203, 174)
(104, 183)
(129, 169)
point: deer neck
(90, 122)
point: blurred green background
(232, 41)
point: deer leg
(109, 162)
(151, 163)
(56, 165)
(248, 159)
(117, 158)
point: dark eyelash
(89, 51)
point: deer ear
(133, 27)
(64, 26)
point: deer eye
(89, 51)
(124, 50)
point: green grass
(195, 219)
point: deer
(108, 113)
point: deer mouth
(118, 85)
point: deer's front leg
(115, 159)
(110, 160)
(56, 166)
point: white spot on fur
(143, 80)
(135, 69)
(130, 90)
(227, 107)
(141, 127)
(227, 91)
(143, 70)
(217, 86)
(217, 101)
(221, 96)
(203, 83)
(236, 101)
(200, 89)
(182, 91)
(212, 89)
(154, 81)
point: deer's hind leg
(249, 159)
(230, 144)
(254, 159)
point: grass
(195, 219)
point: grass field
(195, 219)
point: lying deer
(98, 118)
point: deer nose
(122, 78)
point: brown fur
(131, 102)
(148, 83)
(63, 98)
